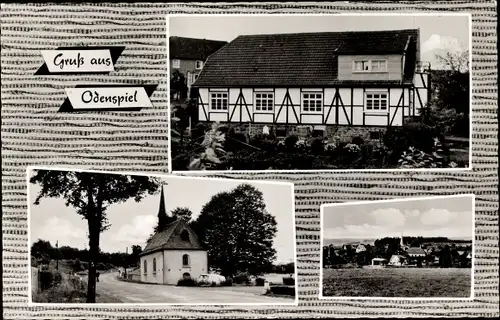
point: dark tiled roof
(415, 251)
(296, 59)
(193, 49)
(170, 239)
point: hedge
(283, 290)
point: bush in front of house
(259, 282)
(317, 146)
(358, 141)
(266, 143)
(283, 290)
(235, 141)
(411, 134)
(227, 283)
(242, 278)
(187, 283)
(288, 281)
(291, 142)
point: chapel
(173, 253)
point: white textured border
(163, 176)
(469, 168)
(355, 203)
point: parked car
(211, 279)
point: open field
(397, 282)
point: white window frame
(303, 99)
(224, 95)
(369, 63)
(269, 99)
(376, 96)
(384, 61)
(200, 66)
(176, 63)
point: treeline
(288, 268)
(418, 241)
(44, 252)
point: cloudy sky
(447, 217)
(438, 33)
(132, 223)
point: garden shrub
(187, 283)
(317, 146)
(283, 290)
(414, 158)
(227, 283)
(358, 141)
(56, 278)
(267, 143)
(199, 130)
(45, 259)
(419, 135)
(412, 134)
(46, 278)
(288, 281)
(232, 141)
(242, 278)
(100, 266)
(291, 141)
(259, 282)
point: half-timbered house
(357, 79)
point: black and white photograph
(116, 238)
(413, 248)
(319, 92)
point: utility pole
(57, 255)
(125, 274)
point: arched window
(154, 265)
(145, 266)
(185, 235)
(185, 260)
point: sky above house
(438, 33)
(132, 222)
(450, 217)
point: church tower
(162, 212)
(402, 243)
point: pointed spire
(162, 212)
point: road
(130, 292)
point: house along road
(131, 292)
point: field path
(130, 292)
